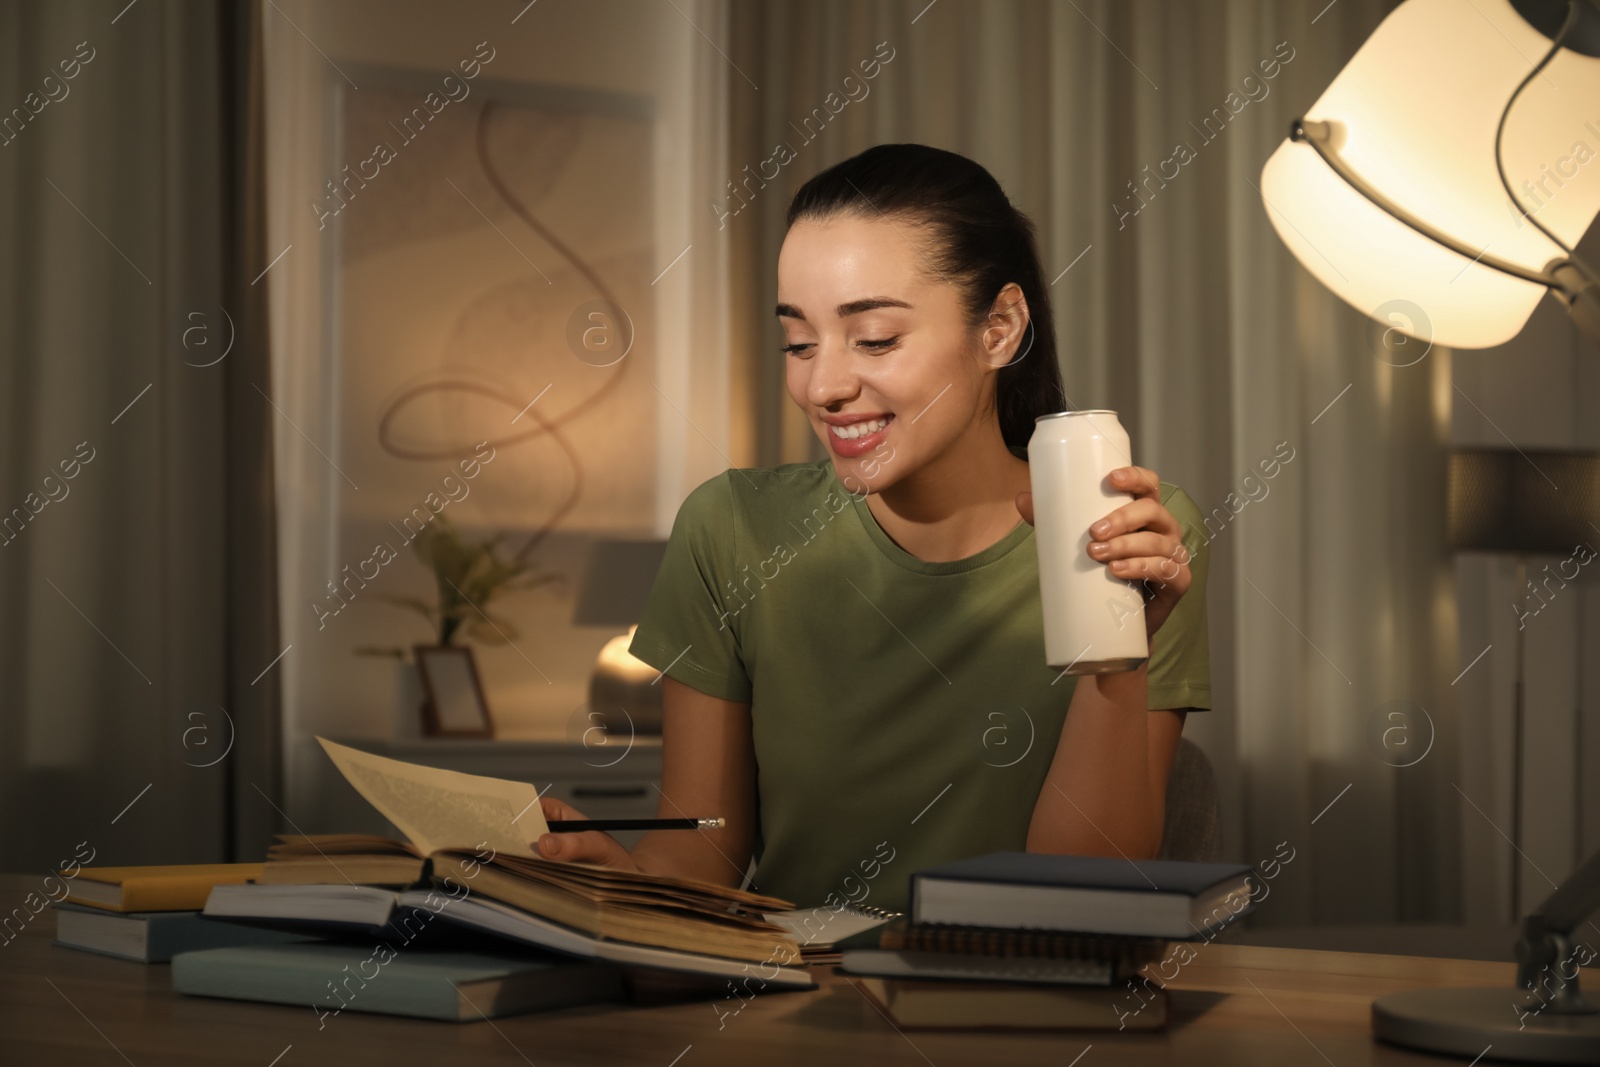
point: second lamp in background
(624, 692)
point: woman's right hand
(586, 846)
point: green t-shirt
(901, 710)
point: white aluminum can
(1093, 620)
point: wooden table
(1232, 1005)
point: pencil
(574, 825)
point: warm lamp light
(617, 577)
(1440, 185)
(1388, 192)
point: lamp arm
(1578, 287)
(1546, 941)
(1560, 38)
(1319, 135)
(1575, 899)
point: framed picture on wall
(453, 703)
(494, 337)
(505, 252)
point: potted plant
(469, 577)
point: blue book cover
(154, 936)
(395, 979)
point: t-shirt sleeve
(685, 631)
(1180, 663)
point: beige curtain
(138, 595)
(1331, 592)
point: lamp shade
(1505, 500)
(1414, 114)
(616, 582)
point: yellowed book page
(591, 875)
(438, 809)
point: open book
(471, 836)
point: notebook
(153, 936)
(819, 930)
(1091, 894)
(910, 950)
(413, 981)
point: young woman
(852, 648)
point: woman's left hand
(1141, 541)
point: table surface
(1232, 1004)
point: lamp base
(1497, 1024)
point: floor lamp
(1431, 187)
(1525, 503)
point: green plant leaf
(468, 575)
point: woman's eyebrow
(844, 310)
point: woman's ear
(1005, 333)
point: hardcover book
(153, 936)
(417, 982)
(1086, 894)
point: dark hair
(979, 241)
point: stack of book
(459, 921)
(1017, 940)
(324, 884)
(150, 914)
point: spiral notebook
(904, 949)
(819, 930)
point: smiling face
(878, 352)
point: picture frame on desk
(453, 701)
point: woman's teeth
(859, 429)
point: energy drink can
(1093, 620)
